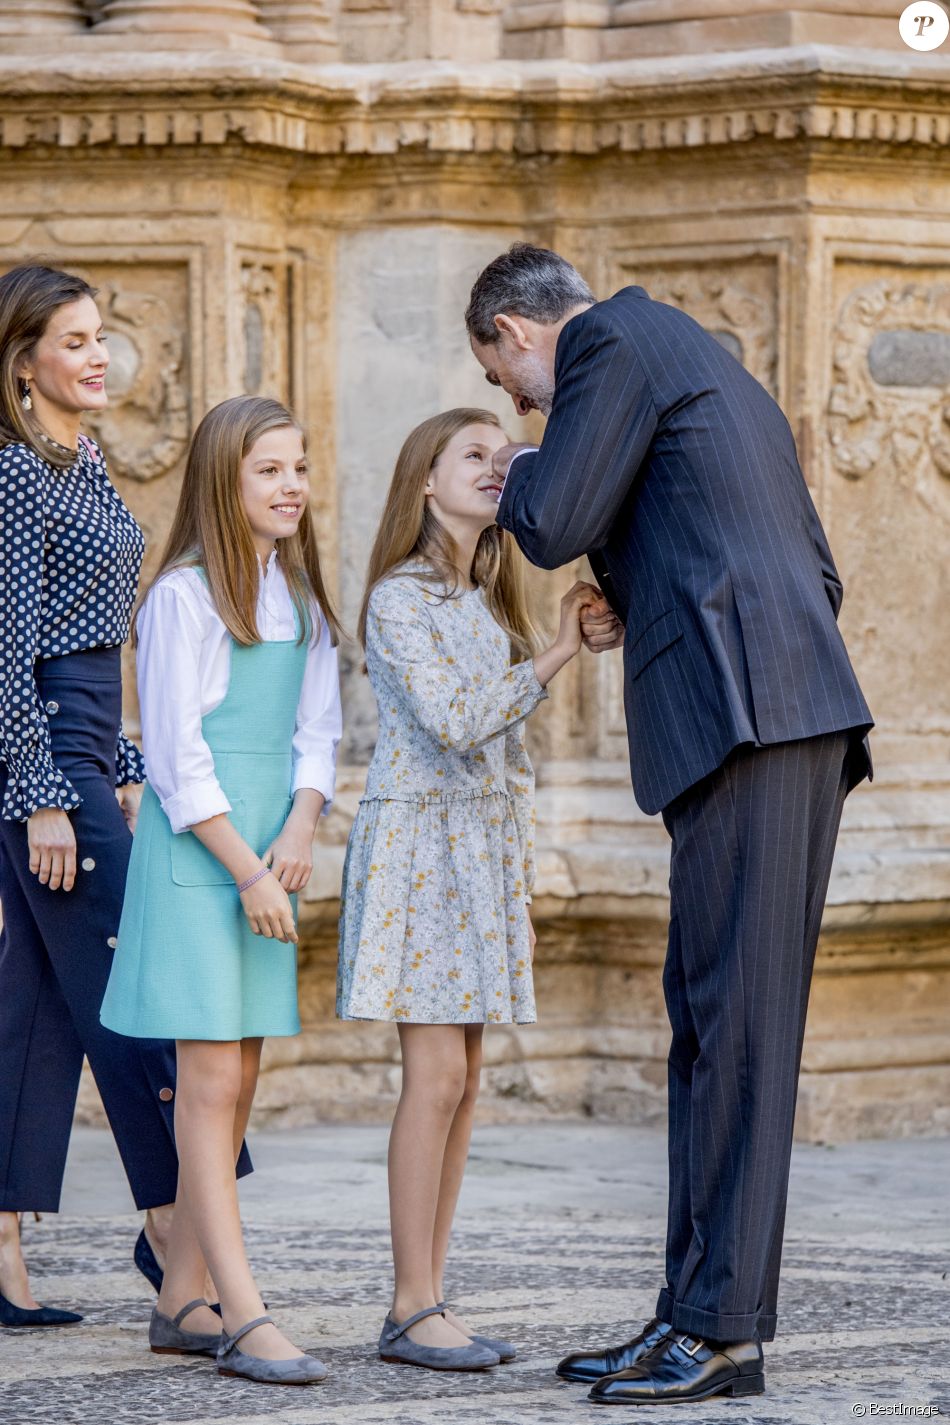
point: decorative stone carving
(734, 300)
(145, 428)
(41, 17)
(562, 112)
(229, 17)
(265, 291)
(890, 401)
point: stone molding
(811, 95)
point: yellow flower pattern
(433, 922)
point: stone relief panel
(890, 397)
(266, 304)
(145, 428)
(735, 299)
(886, 433)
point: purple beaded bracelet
(264, 871)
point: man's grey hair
(525, 281)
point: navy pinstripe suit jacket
(675, 471)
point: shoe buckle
(690, 1350)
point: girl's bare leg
(215, 1089)
(454, 1163)
(433, 1084)
(158, 1220)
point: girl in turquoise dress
(239, 697)
(435, 931)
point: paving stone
(559, 1244)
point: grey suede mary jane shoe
(504, 1350)
(399, 1349)
(300, 1370)
(166, 1338)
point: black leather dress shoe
(683, 1368)
(590, 1366)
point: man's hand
(601, 629)
(502, 458)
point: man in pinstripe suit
(676, 473)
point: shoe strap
(441, 1306)
(242, 1331)
(411, 1320)
(198, 1301)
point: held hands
(601, 629)
(581, 604)
(52, 845)
(569, 636)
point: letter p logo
(924, 26)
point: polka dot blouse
(70, 554)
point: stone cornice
(90, 100)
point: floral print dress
(440, 861)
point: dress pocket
(193, 864)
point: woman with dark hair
(70, 781)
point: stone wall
(295, 198)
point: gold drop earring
(26, 400)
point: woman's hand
(290, 854)
(268, 910)
(532, 937)
(52, 844)
(129, 798)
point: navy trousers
(55, 957)
(752, 850)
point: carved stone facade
(258, 220)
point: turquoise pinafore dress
(187, 964)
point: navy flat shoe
(147, 1263)
(11, 1315)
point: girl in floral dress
(435, 930)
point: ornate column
(220, 19)
(307, 28)
(41, 17)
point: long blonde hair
(211, 528)
(408, 529)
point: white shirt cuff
(195, 803)
(318, 775)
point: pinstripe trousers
(752, 850)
